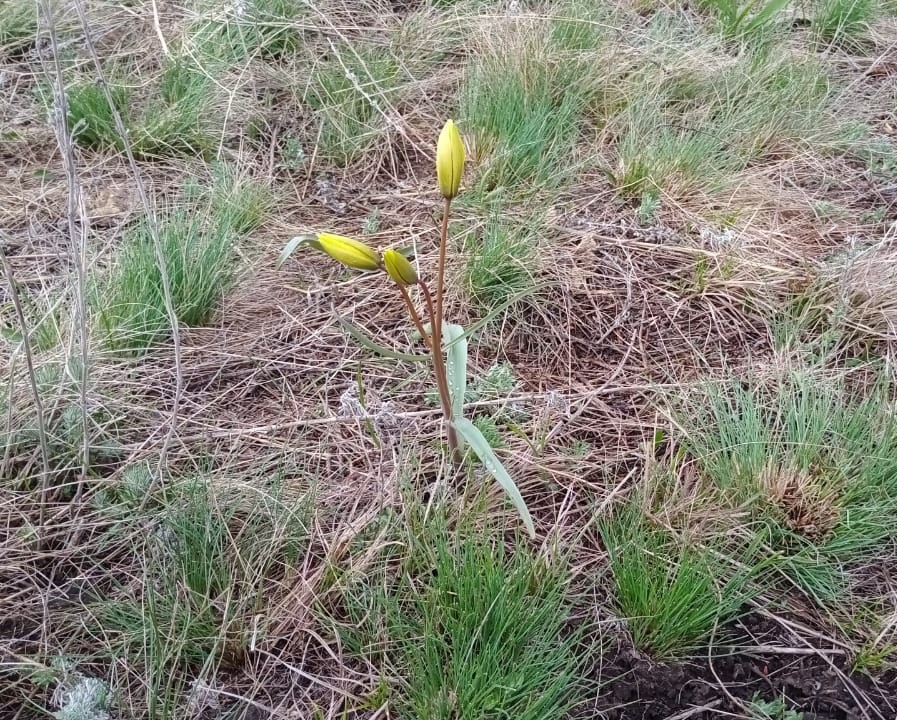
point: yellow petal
(349, 252)
(398, 268)
(449, 160)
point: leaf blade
(294, 243)
(358, 335)
(487, 456)
(455, 346)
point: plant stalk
(445, 397)
(32, 379)
(418, 323)
(440, 275)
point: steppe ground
(676, 250)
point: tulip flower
(449, 160)
(398, 268)
(349, 252)
(449, 358)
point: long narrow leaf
(455, 365)
(484, 452)
(772, 8)
(291, 246)
(356, 333)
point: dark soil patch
(819, 685)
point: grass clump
(472, 630)
(687, 132)
(175, 118)
(91, 117)
(197, 239)
(655, 157)
(20, 445)
(180, 123)
(522, 110)
(501, 262)
(18, 26)
(207, 565)
(251, 28)
(751, 21)
(816, 467)
(351, 91)
(691, 134)
(579, 26)
(672, 591)
(773, 106)
(843, 22)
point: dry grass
(673, 207)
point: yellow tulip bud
(449, 160)
(398, 268)
(349, 252)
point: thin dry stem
(415, 317)
(157, 246)
(78, 225)
(32, 379)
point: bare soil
(815, 681)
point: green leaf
(455, 345)
(487, 456)
(772, 8)
(11, 335)
(291, 246)
(358, 335)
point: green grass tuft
(251, 28)
(91, 118)
(673, 593)
(522, 113)
(198, 239)
(351, 93)
(749, 22)
(655, 157)
(181, 124)
(501, 262)
(18, 26)
(175, 119)
(686, 131)
(207, 563)
(843, 22)
(817, 468)
(579, 25)
(473, 631)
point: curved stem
(428, 341)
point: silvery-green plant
(446, 343)
(85, 698)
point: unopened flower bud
(398, 268)
(349, 252)
(449, 160)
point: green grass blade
(766, 15)
(484, 452)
